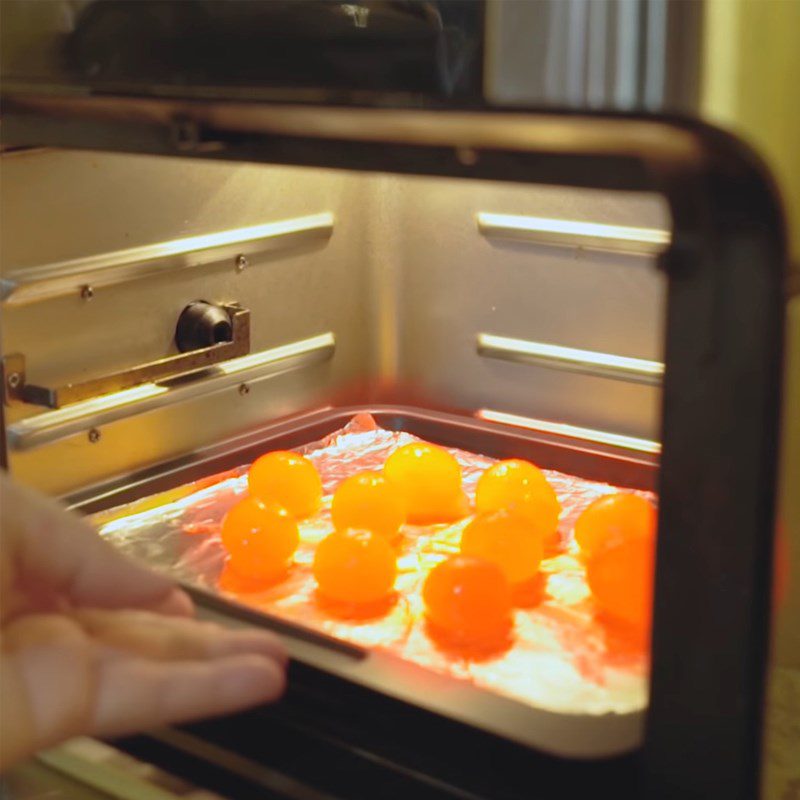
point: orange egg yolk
(620, 576)
(519, 485)
(355, 567)
(612, 518)
(260, 538)
(367, 501)
(469, 599)
(507, 539)
(288, 479)
(429, 481)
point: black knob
(202, 324)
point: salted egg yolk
(507, 539)
(429, 481)
(289, 479)
(620, 576)
(520, 485)
(614, 517)
(260, 537)
(468, 599)
(367, 501)
(355, 567)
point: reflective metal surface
(71, 208)
(585, 362)
(570, 233)
(570, 431)
(87, 769)
(624, 55)
(17, 389)
(20, 285)
(241, 373)
(729, 63)
(369, 284)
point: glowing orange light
(781, 567)
(507, 539)
(469, 599)
(620, 576)
(429, 480)
(288, 479)
(260, 538)
(355, 567)
(520, 485)
(617, 516)
(367, 501)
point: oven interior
(503, 319)
(535, 314)
(469, 296)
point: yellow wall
(752, 86)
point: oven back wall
(479, 264)
(407, 283)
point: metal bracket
(17, 390)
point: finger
(56, 681)
(175, 604)
(46, 684)
(135, 694)
(174, 639)
(57, 549)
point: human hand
(93, 644)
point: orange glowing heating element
(508, 539)
(357, 567)
(614, 518)
(260, 538)
(288, 479)
(469, 600)
(429, 481)
(620, 576)
(367, 501)
(520, 485)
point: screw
(241, 262)
(467, 156)
(87, 292)
(185, 134)
(94, 435)
(244, 389)
(14, 380)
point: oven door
(723, 345)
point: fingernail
(257, 642)
(177, 604)
(252, 679)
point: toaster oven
(502, 228)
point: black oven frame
(725, 272)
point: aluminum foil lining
(562, 658)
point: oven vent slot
(81, 417)
(586, 362)
(26, 285)
(573, 233)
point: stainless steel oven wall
(467, 295)
(491, 276)
(730, 63)
(59, 208)
(624, 55)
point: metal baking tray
(575, 732)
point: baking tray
(582, 735)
